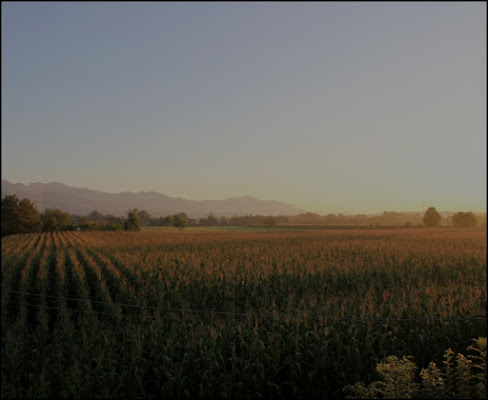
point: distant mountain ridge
(83, 201)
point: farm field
(229, 314)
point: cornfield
(231, 314)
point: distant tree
(133, 222)
(464, 219)
(114, 219)
(432, 217)
(113, 226)
(179, 220)
(269, 222)
(145, 217)
(309, 217)
(55, 220)
(75, 220)
(85, 223)
(211, 219)
(392, 218)
(162, 222)
(168, 220)
(95, 216)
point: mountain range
(83, 201)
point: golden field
(214, 314)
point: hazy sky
(331, 107)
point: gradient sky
(330, 107)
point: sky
(333, 107)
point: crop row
(215, 314)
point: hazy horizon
(330, 107)
(419, 211)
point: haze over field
(329, 107)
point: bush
(461, 377)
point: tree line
(22, 216)
(432, 218)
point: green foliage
(133, 222)
(252, 220)
(167, 221)
(397, 380)
(10, 215)
(19, 216)
(179, 220)
(55, 220)
(431, 217)
(461, 377)
(464, 219)
(30, 217)
(98, 222)
(86, 224)
(113, 226)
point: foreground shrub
(460, 377)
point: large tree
(432, 217)
(30, 217)
(19, 216)
(10, 215)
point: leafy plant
(461, 377)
